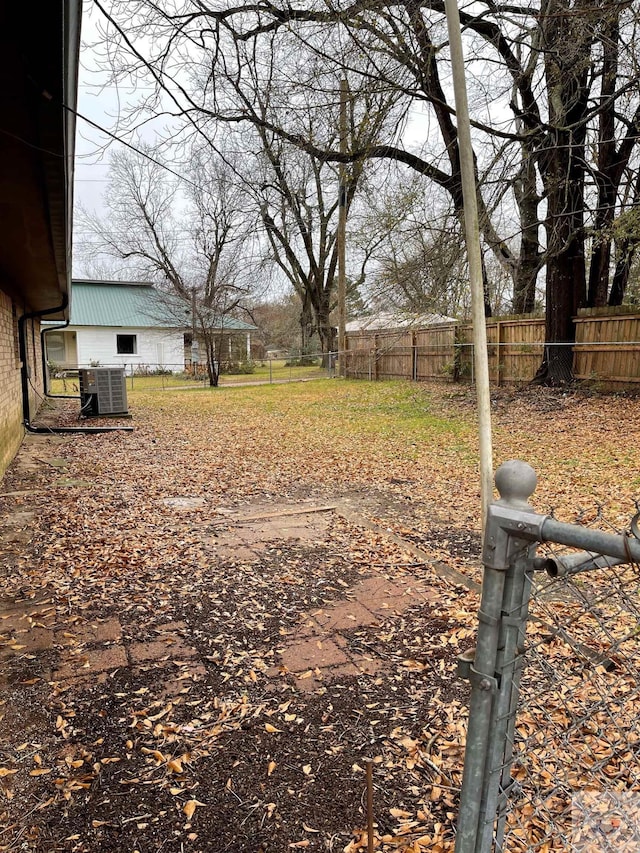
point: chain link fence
(552, 760)
(163, 377)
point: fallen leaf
(189, 808)
(399, 813)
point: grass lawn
(151, 695)
(583, 447)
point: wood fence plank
(607, 350)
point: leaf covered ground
(156, 592)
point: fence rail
(606, 350)
(167, 376)
(552, 760)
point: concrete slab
(159, 650)
(344, 615)
(313, 653)
(35, 640)
(90, 662)
(100, 631)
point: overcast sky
(104, 103)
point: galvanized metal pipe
(566, 565)
(626, 548)
(482, 694)
(513, 629)
(515, 481)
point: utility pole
(472, 232)
(342, 228)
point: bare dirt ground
(203, 646)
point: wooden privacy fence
(607, 346)
(607, 350)
(421, 354)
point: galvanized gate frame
(494, 667)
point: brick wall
(11, 429)
(11, 416)
(34, 360)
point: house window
(126, 344)
(55, 347)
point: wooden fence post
(414, 357)
(375, 357)
(607, 350)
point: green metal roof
(134, 305)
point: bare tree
(557, 111)
(91, 266)
(299, 211)
(190, 237)
(420, 264)
(298, 194)
(278, 322)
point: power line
(129, 145)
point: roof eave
(38, 73)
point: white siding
(155, 348)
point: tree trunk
(565, 298)
(621, 274)
(567, 43)
(486, 290)
(609, 169)
(306, 323)
(528, 267)
(599, 270)
(326, 332)
(566, 280)
(213, 367)
(524, 287)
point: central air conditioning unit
(103, 391)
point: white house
(125, 324)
